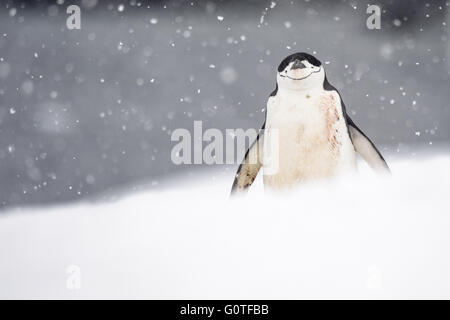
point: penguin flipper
(365, 147)
(249, 168)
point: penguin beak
(297, 65)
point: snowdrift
(363, 237)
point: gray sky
(85, 112)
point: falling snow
(91, 110)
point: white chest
(313, 141)
(300, 112)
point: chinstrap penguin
(316, 138)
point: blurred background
(87, 113)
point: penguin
(315, 137)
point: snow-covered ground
(365, 237)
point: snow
(85, 113)
(363, 237)
(70, 94)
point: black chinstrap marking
(284, 76)
(298, 56)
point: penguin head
(300, 71)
